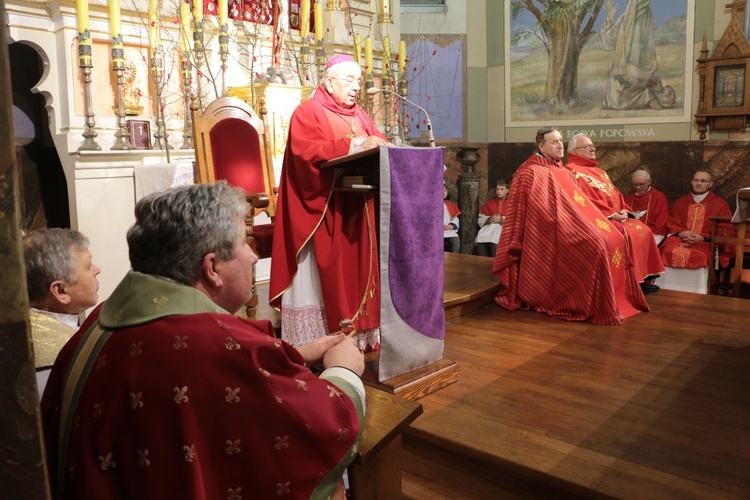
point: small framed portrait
(728, 86)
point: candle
(154, 37)
(304, 19)
(223, 12)
(84, 35)
(115, 30)
(368, 57)
(386, 54)
(318, 11)
(198, 11)
(185, 36)
(358, 48)
(401, 58)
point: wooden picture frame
(140, 133)
(728, 86)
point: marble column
(468, 199)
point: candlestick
(358, 49)
(84, 63)
(386, 55)
(198, 50)
(122, 134)
(223, 12)
(198, 11)
(401, 58)
(154, 36)
(368, 57)
(157, 70)
(185, 31)
(304, 19)
(224, 56)
(84, 35)
(115, 30)
(318, 11)
(384, 16)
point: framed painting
(598, 61)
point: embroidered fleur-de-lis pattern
(152, 449)
(101, 361)
(189, 451)
(578, 197)
(180, 395)
(233, 447)
(281, 442)
(106, 462)
(231, 396)
(603, 225)
(143, 460)
(282, 488)
(135, 400)
(161, 302)
(180, 342)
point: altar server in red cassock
(649, 205)
(598, 187)
(165, 393)
(324, 266)
(558, 253)
(688, 245)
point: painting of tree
(602, 61)
(564, 27)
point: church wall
(672, 150)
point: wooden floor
(656, 408)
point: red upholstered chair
(231, 144)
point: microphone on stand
(376, 90)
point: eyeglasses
(640, 184)
(587, 147)
(350, 81)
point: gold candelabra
(161, 140)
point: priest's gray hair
(48, 255)
(642, 172)
(176, 228)
(573, 142)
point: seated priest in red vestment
(165, 393)
(688, 245)
(324, 266)
(649, 205)
(558, 253)
(598, 187)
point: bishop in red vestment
(649, 205)
(688, 245)
(558, 254)
(325, 241)
(597, 186)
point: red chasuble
(493, 207)
(597, 186)
(342, 226)
(655, 208)
(558, 254)
(687, 215)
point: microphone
(376, 90)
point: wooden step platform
(656, 408)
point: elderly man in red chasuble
(598, 187)
(324, 266)
(558, 253)
(649, 204)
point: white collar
(64, 318)
(700, 197)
